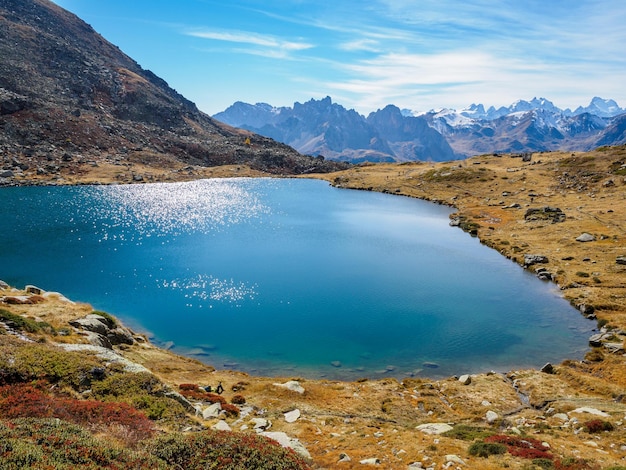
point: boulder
(90, 323)
(465, 379)
(548, 369)
(261, 424)
(344, 458)
(434, 428)
(292, 385)
(553, 214)
(529, 260)
(221, 425)
(3, 285)
(33, 290)
(292, 416)
(288, 442)
(372, 461)
(592, 411)
(455, 459)
(491, 416)
(585, 237)
(212, 411)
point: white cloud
(273, 46)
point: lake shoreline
(492, 195)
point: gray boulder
(529, 260)
(585, 237)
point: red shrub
(26, 401)
(189, 387)
(597, 425)
(231, 410)
(238, 400)
(524, 447)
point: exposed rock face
(529, 260)
(66, 94)
(553, 214)
(103, 331)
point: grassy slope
(378, 418)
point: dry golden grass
(377, 419)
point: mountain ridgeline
(390, 134)
(67, 95)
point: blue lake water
(288, 277)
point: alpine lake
(288, 277)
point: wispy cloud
(264, 45)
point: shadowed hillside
(69, 97)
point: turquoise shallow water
(287, 277)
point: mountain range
(391, 134)
(67, 96)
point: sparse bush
(238, 400)
(466, 432)
(51, 443)
(19, 322)
(222, 450)
(22, 362)
(524, 447)
(26, 401)
(485, 449)
(126, 385)
(545, 464)
(582, 274)
(573, 463)
(594, 426)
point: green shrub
(21, 323)
(110, 318)
(22, 362)
(126, 384)
(220, 450)
(466, 432)
(485, 449)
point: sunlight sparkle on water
(172, 209)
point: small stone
(336, 363)
(372, 461)
(221, 425)
(491, 416)
(292, 416)
(465, 379)
(620, 260)
(548, 369)
(585, 237)
(261, 424)
(455, 459)
(344, 458)
(593, 411)
(561, 416)
(434, 428)
(292, 385)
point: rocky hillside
(68, 97)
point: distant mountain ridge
(326, 128)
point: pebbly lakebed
(288, 277)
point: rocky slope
(69, 98)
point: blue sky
(416, 54)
